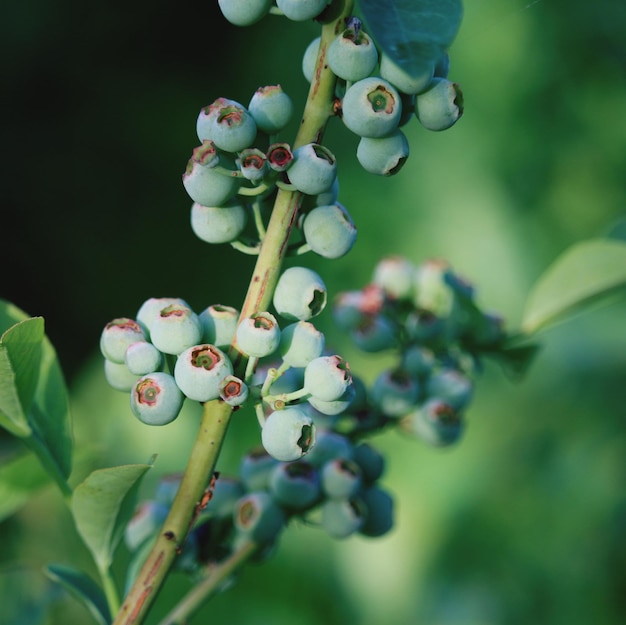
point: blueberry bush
(251, 392)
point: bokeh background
(524, 520)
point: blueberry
(295, 485)
(379, 515)
(288, 434)
(300, 343)
(336, 406)
(151, 308)
(258, 516)
(219, 224)
(313, 169)
(341, 478)
(395, 275)
(395, 392)
(175, 329)
(301, 10)
(452, 386)
(309, 58)
(329, 445)
(206, 116)
(300, 294)
(372, 108)
(117, 336)
(233, 390)
(410, 83)
(375, 334)
(327, 378)
(156, 399)
(342, 517)
(418, 360)
(145, 523)
(441, 106)
(370, 461)
(271, 108)
(244, 12)
(436, 423)
(255, 469)
(143, 357)
(279, 156)
(233, 128)
(119, 376)
(258, 335)
(200, 369)
(219, 324)
(329, 230)
(383, 156)
(352, 55)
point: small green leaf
(20, 478)
(83, 588)
(20, 357)
(414, 33)
(102, 506)
(579, 277)
(516, 358)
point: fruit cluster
(336, 489)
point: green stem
(216, 415)
(110, 591)
(209, 586)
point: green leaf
(414, 33)
(83, 588)
(102, 506)
(582, 275)
(20, 357)
(20, 478)
(516, 358)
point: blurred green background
(524, 520)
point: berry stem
(216, 415)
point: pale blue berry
(271, 108)
(156, 399)
(119, 376)
(452, 386)
(352, 55)
(279, 156)
(370, 461)
(342, 517)
(395, 392)
(206, 116)
(175, 329)
(329, 446)
(418, 360)
(441, 106)
(253, 164)
(259, 335)
(414, 82)
(379, 515)
(244, 12)
(219, 224)
(233, 390)
(258, 516)
(151, 308)
(301, 10)
(375, 334)
(341, 478)
(233, 129)
(371, 108)
(436, 423)
(288, 434)
(329, 230)
(300, 294)
(313, 169)
(117, 336)
(309, 58)
(300, 343)
(327, 378)
(219, 324)
(255, 469)
(383, 156)
(200, 369)
(336, 406)
(143, 357)
(295, 485)
(395, 275)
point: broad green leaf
(582, 275)
(83, 588)
(20, 478)
(414, 33)
(20, 359)
(102, 506)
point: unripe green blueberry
(142, 358)
(383, 156)
(418, 360)
(395, 392)
(175, 329)
(206, 184)
(370, 461)
(271, 108)
(258, 335)
(207, 115)
(329, 446)
(330, 196)
(395, 275)
(151, 308)
(301, 10)
(233, 129)
(119, 376)
(117, 336)
(432, 291)
(335, 406)
(218, 224)
(255, 469)
(300, 343)
(352, 55)
(372, 108)
(253, 164)
(219, 324)
(441, 106)
(425, 327)
(379, 516)
(288, 434)
(436, 423)
(327, 377)
(259, 517)
(300, 294)
(233, 390)
(341, 478)
(341, 517)
(199, 371)
(329, 230)
(452, 386)
(313, 169)
(156, 399)
(279, 156)
(375, 334)
(295, 485)
(226, 493)
(309, 59)
(352, 308)
(415, 82)
(244, 12)
(145, 523)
